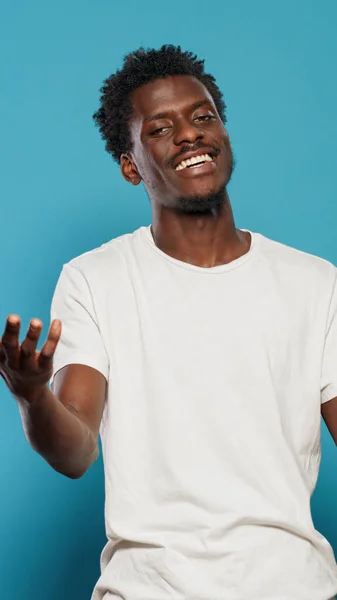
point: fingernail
(13, 320)
(35, 323)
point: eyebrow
(164, 115)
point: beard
(201, 203)
(205, 203)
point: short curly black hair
(140, 67)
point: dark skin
(62, 424)
(188, 120)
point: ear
(129, 169)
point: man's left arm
(329, 414)
(329, 366)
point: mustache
(185, 149)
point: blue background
(61, 195)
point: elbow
(76, 471)
(75, 475)
(70, 472)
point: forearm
(57, 434)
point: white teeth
(193, 161)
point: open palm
(23, 368)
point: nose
(187, 132)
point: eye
(159, 131)
(205, 118)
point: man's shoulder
(295, 261)
(106, 256)
(284, 253)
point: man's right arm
(62, 424)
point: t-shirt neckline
(234, 264)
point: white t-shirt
(211, 428)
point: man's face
(181, 150)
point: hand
(25, 370)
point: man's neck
(203, 240)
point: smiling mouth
(195, 161)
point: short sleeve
(329, 363)
(81, 341)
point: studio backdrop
(61, 195)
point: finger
(48, 350)
(10, 339)
(28, 346)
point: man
(205, 356)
